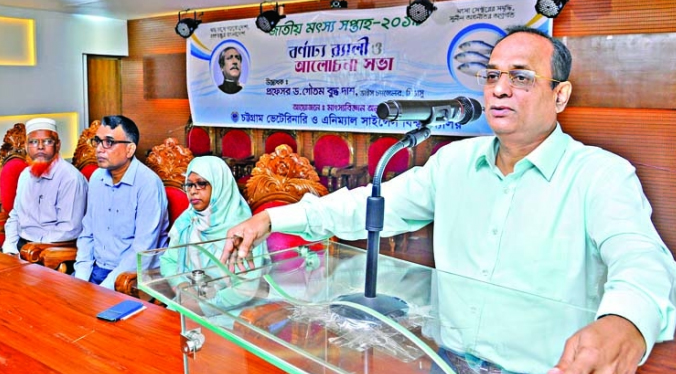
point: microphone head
(388, 110)
(472, 109)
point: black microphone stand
(387, 305)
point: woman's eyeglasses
(107, 142)
(34, 143)
(518, 78)
(199, 185)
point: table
(48, 324)
(10, 262)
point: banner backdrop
(329, 70)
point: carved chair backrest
(282, 175)
(170, 161)
(14, 143)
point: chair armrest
(32, 252)
(59, 258)
(127, 283)
(350, 176)
(3, 219)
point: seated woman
(196, 238)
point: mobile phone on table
(121, 311)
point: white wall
(56, 84)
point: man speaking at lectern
(529, 209)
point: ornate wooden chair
(333, 157)
(170, 161)
(14, 160)
(281, 178)
(84, 157)
(399, 163)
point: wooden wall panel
(647, 138)
(624, 71)
(156, 69)
(104, 87)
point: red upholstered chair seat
(277, 242)
(279, 138)
(9, 178)
(399, 163)
(88, 170)
(236, 144)
(198, 141)
(332, 151)
(237, 151)
(177, 202)
(333, 160)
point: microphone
(460, 110)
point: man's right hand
(243, 237)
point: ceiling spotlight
(266, 21)
(338, 4)
(420, 10)
(550, 8)
(186, 26)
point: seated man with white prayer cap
(51, 194)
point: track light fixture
(266, 21)
(420, 10)
(550, 8)
(186, 26)
(338, 4)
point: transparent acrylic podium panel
(289, 309)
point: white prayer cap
(40, 124)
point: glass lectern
(286, 308)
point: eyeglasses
(518, 78)
(199, 185)
(107, 142)
(33, 143)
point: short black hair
(562, 60)
(128, 126)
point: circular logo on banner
(470, 51)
